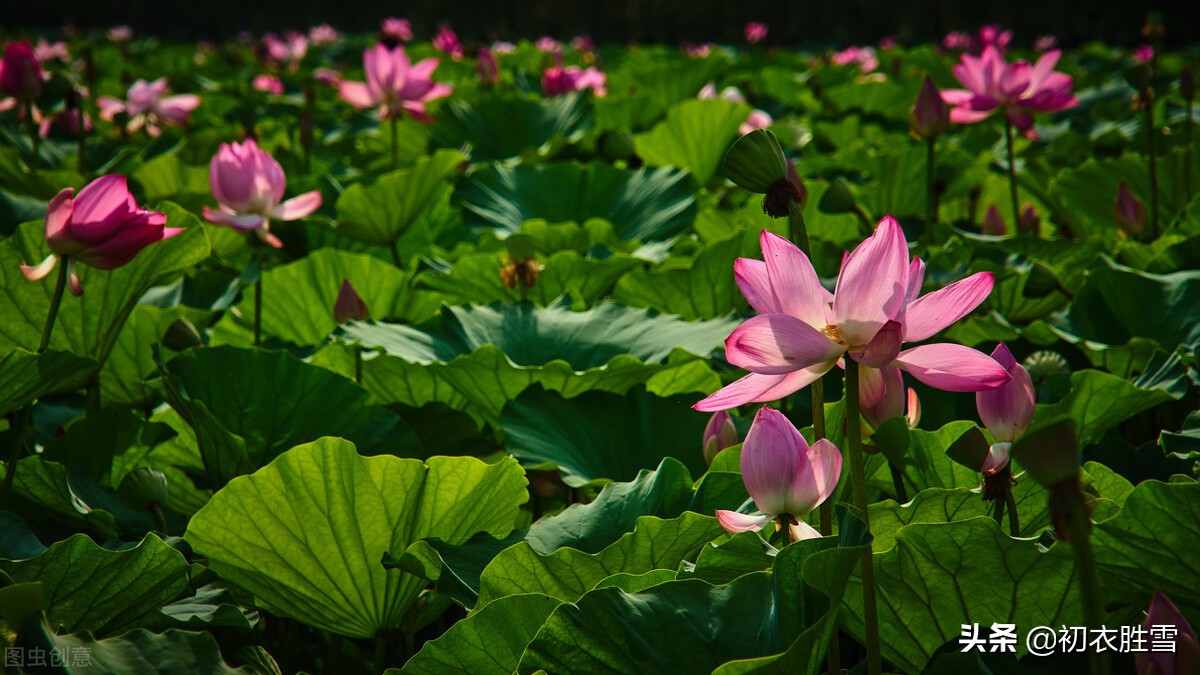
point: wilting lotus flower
(396, 30)
(1143, 53)
(20, 72)
(755, 32)
(269, 84)
(248, 184)
(1006, 411)
(1018, 89)
(785, 477)
(52, 51)
(489, 70)
(803, 330)
(1129, 212)
(930, 115)
(863, 56)
(349, 306)
(149, 107)
(446, 41)
(993, 223)
(957, 41)
(991, 35)
(394, 85)
(1045, 43)
(120, 33)
(101, 227)
(323, 34)
(557, 80)
(892, 402)
(718, 435)
(1184, 657)
(288, 51)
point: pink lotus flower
(286, 52)
(446, 41)
(957, 41)
(888, 43)
(397, 30)
(548, 45)
(1018, 89)
(101, 227)
(269, 84)
(893, 402)
(323, 35)
(718, 435)
(489, 70)
(1129, 212)
(803, 330)
(557, 80)
(149, 107)
(1045, 43)
(503, 47)
(991, 35)
(864, 57)
(52, 51)
(757, 119)
(21, 74)
(1184, 656)
(349, 306)
(785, 477)
(1143, 53)
(394, 85)
(67, 120)
(248, 184)
(755, 32)
(327, 76)
(120, 33)
(695, 51)
(1006, 411)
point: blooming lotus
(52, 51)
(557, 80)
(396, 30)
(583, 44)
(149, 106)
(394, 85)
(697, 51)
(248, 184)
(864, 57)
(323, 34)
(957, 41)
(802, 330)
(1016, 88)
(755, 32)
(288, 51)
(120, 33)
(446, 41)
(1006, 411)
(268, 84)
(786, 478)
(548, 45)
(991, 35)
(101, 227)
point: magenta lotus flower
(396, 30)
(66, 120)
(489, 70)
(248, 184)
(268, 84)
(394, 85)
(785, 477)
(349, 306)
(1129, 212)
(887, 43)
(894, 401)
(446, 41)
(757, 119)
(327, 76)
(101, 227)
(287, 51)
(323, 35)
(21, 74)
(1184, 657)
(557, 80)
(149, 106)
(503, 47)
(52, 51)
(863, 57)
(1018, 89)
(802, 330)
(719, 434)
(1143, 53)
(755, 32)
(993, 36)
(957, 41)
(1006, 411)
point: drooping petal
(968, 115)
(298, 207)
(1007, 410)
(997, 458)
(177, 109)
(39, 271)
(774, 344)
(881, 394)
(802, 530)
(930, 314)
(772, 455)
(815, 478)
(798, 290)
(751, 277)
(872, 284)
(267, 238)
(735, 522)
(73, 284)
(953, 367)
(913, 410)
(246, 222)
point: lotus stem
(898, 482)
(1012, 171)
(395, 142)
(931, 205)
(1079, 527)
(1149, 105)
(797, 230)
(380, 653)
(18, 420)
(1014, 522)
(160, 519)
(1187, 143)
(34, 138)
(998, 514)
(358, 364)
(55, 300)
(858, 481)
(258, 293)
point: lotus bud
(1184, 657)
(930, 115)
(489, 70)
(349, 306)
(993, 223)
(838, 198)
(1029, 222)
(1129, 213)
(718, 435)
(1007, 410)
(182, 334)
(144, 487)
(20, 72)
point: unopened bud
(144, 487)
(993, 224)
(1030, 221)
(349, 306)
(930, 115)
(182, 334)
(1129, 212)
(838, 198)
(718, 435)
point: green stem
(998, 514)
(92, 404)
(380, 653)
(931, 205)
(1080, 529)
(55, 300)
(1187, 141)
(395, 143)
(1012, 171)
(858, 481)
(1153, 167)
(898, 482)
(1014, 522)
(258, 299)
(396, 258)
(160, 519)
(34, 138)
(358, 364)
(797, 230)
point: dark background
(792, 22)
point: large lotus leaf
(383, 212)
(498, 128)
(1152, 543)
(210, 607)
(45, 492)
(694, 136)
(306, 534)
(17, 541)
(168, 177)
(125, 378)
(88, 325)
(703, 290)
(1099, 401)
(665, 81)
(90, 588)
(939, 576)
(568, 573)
(247, 406)
(1118, 303)
(603, 436)
(476, 278)
(886, 97)
(25, 376)
(643, 205)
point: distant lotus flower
(21, 74)
(718, 435)
(1006, 411)
(120, 33)
(1045, 43)
(397, 30)
(557, 80)
(1129, 212)
(503, 47)
(548, 45)
(1018, 89)
(957, 41)
(248, 184)
(784, 475)
(287, 52)
(101, 227)
(269, 84)
(67, 120)
(489, 70)
(583, 43)
(803, 330)
(991, 35)
(930, 115)
(1143, 53)
(394, 85)
(1184, 656)
(51, 51)
(864, 57)
(323, 35)
(757, 119)
(755, 32)
(149, 107)
(888, 43)
(696, 51)
(446, 41)
(892, 402)
(349, 306)
(993, 223)
(327, 76)
(1030, 221)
